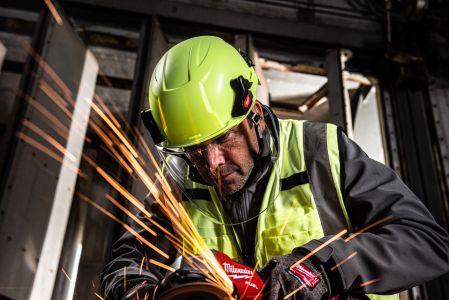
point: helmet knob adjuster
(243, 96)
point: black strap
(294, 180)
(322, 184)
(196, 194)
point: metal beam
(243, 21)
(335, 94)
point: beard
(228, 187)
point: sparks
(336, 237)
(290, 211)
(294, 292)
(368, 228)
(117, 144)
(126, 226)
(131, 215)
(49, 139)
(252, 276)
(370, 282)
(53, 11)
(141, 266)
(66, 275)
(159, 264)
(32, 142)
(124, 278)
(344, 260)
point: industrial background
(378, 68)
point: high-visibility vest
(302, 201)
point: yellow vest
(289, 214)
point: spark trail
(123, 146)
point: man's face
(227, 161)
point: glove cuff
(323, 261)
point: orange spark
(50, 153)
(367, 228)
(99, 297)
(108, 112)
(55, 123)
(124, 278)
(252, 276)
(288, 216)
(294, 292)
(147, 150)
(141, 265)
(103, 136)
(106, 80)
(59, 127)
(344, 260)
(260, 294)
(337, 236)
(154, 292)
(131, 215)
(53, 11)
(114, 129)
(159, 264)
(118, 113)
(49, 139)
(123, 191)
(298, 289)
(126, 226)
(58, 103)
(50, 72)
(175, 241)
(39, 146)
(115, 155)
(51, 93)
(370, 282)
(139, 170)
(66, 275)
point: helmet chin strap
(272, 131)
(255, 119)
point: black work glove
(184, 273)
(308, 278)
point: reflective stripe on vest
(294, 211)
(322, 156)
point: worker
(267, 192)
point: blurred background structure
(378, 68)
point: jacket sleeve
(130, 259)
(407, 249)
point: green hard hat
(200, 89)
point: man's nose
(214, 156)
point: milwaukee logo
(232, 269)
(305, 275)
